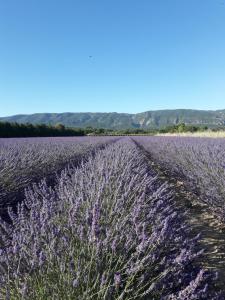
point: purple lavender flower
(103, 280)
(117, 280)
(75, 282)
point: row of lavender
(200, 162)
(23, 161)
(108, 230)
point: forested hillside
(145, 120)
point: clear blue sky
(145, 55)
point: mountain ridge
(113, 120)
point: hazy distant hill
(149, 119)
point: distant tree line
(8, 129)
(130, 131)
(179, 128)
(40, 130)
(182, 127)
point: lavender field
(26, 160)
(112, 218)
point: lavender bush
(200, 162)
(108, 230)
(23, 161)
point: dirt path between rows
(212, 232)
(201, 220)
